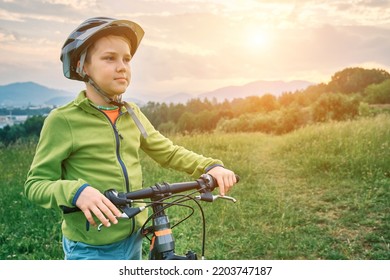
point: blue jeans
(127, 249)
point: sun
(257, 39)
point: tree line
(30, 129)
(350, 93)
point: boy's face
(108, 64)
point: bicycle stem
(162, 240)
(162, 246)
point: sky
(195, 46)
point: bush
(276, 122)
(334, 106)
(378, 93)
(30, 128)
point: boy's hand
(225, 178)
(91, 201)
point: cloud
(75, 4)
(190, 45)
(10, 16)
(6, 37)
(20, 17)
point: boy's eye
(110, 58)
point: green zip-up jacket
(79, 146)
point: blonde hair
(125, 39)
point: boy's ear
(83, 70)
(80, 64)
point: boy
(92, 144)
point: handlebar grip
(116, 198)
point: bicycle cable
(178, 202)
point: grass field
(322, 192)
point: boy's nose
(122, 66)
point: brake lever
(209, 197)
(232, 199)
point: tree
(378, 93)
(175, 111)
(33, 125)
(186, 123)
(196, 105)
(336, 107)
(30, 128)
(10, 134)
(354, 80)
(269, 102)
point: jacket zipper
(118, 143)
(117, 136)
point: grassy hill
(321, 192)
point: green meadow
(320, 192)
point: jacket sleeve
(45, 185)
(169, 155)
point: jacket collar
(84, 103)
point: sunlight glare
(258, 39)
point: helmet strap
(118, 103)
(103, 94)
(86, 78)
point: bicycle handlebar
(206, 183)
(162, 241)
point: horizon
(232, 91)
(197, 46)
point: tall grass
(346, 167)
(26, 230)
(321, 192)
(351, 149)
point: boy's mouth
(121, 79)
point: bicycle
(162, 242)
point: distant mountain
(33, 94)
(30, 93)
(255, 88)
